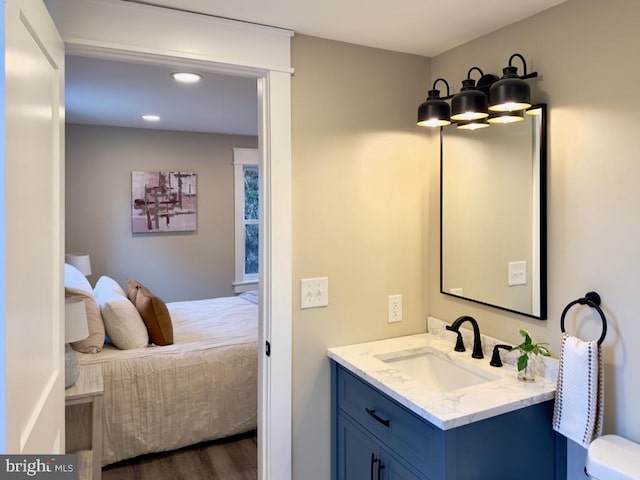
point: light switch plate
(517, 273)
(314, 292)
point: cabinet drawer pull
(373, 413)
(373, 462)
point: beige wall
(586, 54)
(177, 266)
(359, 179)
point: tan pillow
(132, 290)
(95, 341)
(154, 313)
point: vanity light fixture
(471, 103)
(511, 93)
(150, 118)
(491, 100)
(435, 112)
(186, 77)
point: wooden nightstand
(88, 390)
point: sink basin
(437, 370)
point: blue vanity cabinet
(369, 427)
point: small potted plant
(527, 348)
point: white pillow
(122, 322)
(106, 284)
(74, 278)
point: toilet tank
(612, 457)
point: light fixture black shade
(434, 112)
(485, 82)
(510, 93)
(470, 103)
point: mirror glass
(493, 214)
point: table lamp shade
(75, 328)
(75, 320)
(79, 260)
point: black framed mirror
(493, 221)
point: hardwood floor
(234, 458)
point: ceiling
(105, 92)
(422, 27)
(116, 93)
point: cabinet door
(360, 457)
(358, 454)
(394, 469)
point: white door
(33, 219)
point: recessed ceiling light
(186, 77)
(151, 118)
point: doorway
(192, 41)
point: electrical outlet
(395, 308)
(314, 292)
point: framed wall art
(163, 202)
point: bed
(202, 387)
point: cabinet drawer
(420, 443)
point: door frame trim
(263, 53)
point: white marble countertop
(454, 408)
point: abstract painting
(163, 202)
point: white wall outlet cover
(314, 292)
(395, 308)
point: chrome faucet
(477, 343)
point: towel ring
(593, 300)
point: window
(247, 218)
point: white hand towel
(579, 402)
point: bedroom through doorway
(198, 130)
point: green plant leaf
(542, 350)
(523, 361)
(527, 337)
(529, 347)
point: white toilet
(611, 457)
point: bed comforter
(202, 387)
